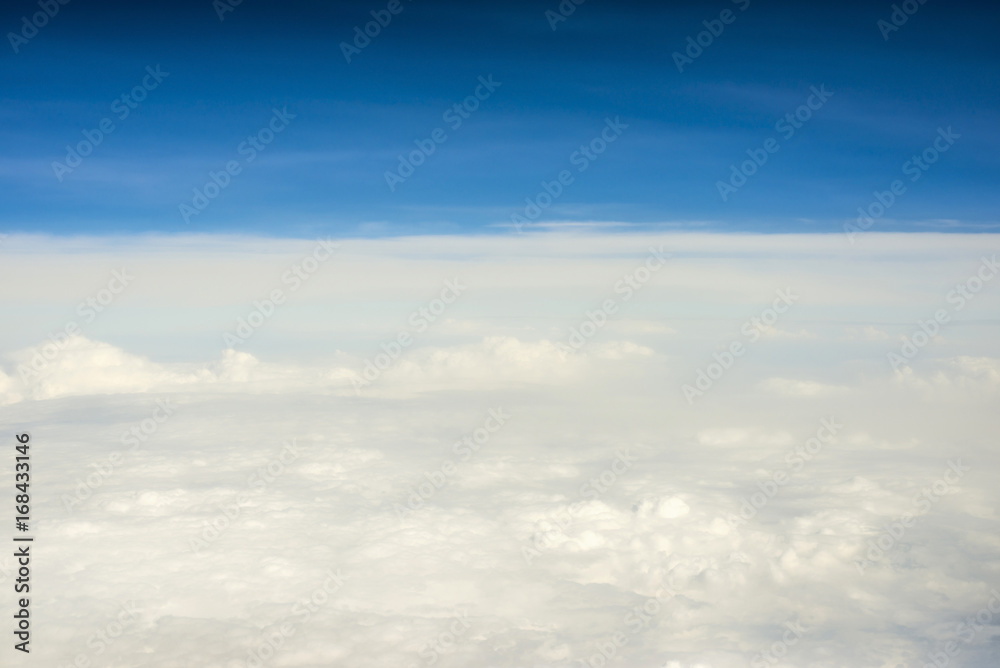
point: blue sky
(325, 171)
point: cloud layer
(514, 486)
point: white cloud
(659, 526)
(799, 388)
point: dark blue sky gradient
(324, 174)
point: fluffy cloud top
(492, 493)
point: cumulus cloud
(799, 388)
(496, 495)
